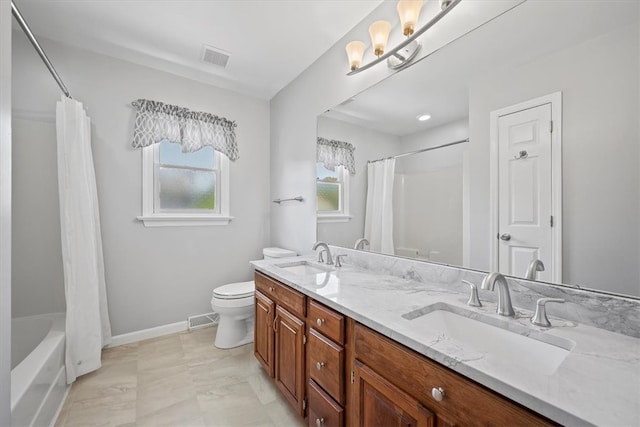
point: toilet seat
(234, 291)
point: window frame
(151, 218)
(343, 214)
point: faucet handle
(474, 301)
(540, 317)
(338, 261)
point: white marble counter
(598, 383)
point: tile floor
(177, 380)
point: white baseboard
(145, 334)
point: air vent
(215, 56)
(203, 320)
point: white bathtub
(38, 382)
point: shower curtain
(87, 319)
(378, 220)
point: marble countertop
(597, 383)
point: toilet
(234, 303)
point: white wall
(5, 213)
(154, 276)
(323, 85)
(369, 145)
(600, 155)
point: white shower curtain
(378, 221)
(87, 324)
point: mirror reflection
(548, 183)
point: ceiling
(439, 84)
(270, 41)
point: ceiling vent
(212, 55)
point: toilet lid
(235, 290)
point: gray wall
(600, 155)
(369, 145)
(155, 276)
(5, 213)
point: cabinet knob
(320, 365)
(319, 422)
(319, 322)
(437, 393)
(271, 289)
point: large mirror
(548, 97)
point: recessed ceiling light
(423, 117)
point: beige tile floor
(177, 380)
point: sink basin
(303, 268)
(503, 342)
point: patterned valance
(157, 121)
(336, 153)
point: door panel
(289, 357)
(524, 195)
(263, 332)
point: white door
(524, 191)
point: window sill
(172, 220)
(333, 218)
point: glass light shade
(355, 52)
(379, 32)
(409, 11)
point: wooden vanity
(336, 372)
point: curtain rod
(27, 31)
(397, 156)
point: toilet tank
(269, 253)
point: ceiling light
(423, 117)
(379, 33)
(409, 11)
(404, 52)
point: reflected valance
(157, 121)
(334, 153)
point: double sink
(504, 342)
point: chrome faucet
(360, 244)
(504, 298)
(325, 247)
(534, 266)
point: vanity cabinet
(393, 382)
(279, 337)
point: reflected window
(332, 193)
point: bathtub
(38, 381)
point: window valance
(336, 153)
(157, 121)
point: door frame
(555, 99)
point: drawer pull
(319, 322)
(271, 288)
(319, 365)
(437, 393)
(319, 422)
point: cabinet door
(263, 333)
(289, 358)
(377, 402)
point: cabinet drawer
(464, 402)
(326, 364)
(323, 410)
(325, 320)
(281, 294)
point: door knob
(505, 236)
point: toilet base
(233, 332)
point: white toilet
(235, 305)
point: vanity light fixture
(423, 117)
(403, 53)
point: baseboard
(146, 334)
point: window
(184, 188)
(332, 190)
